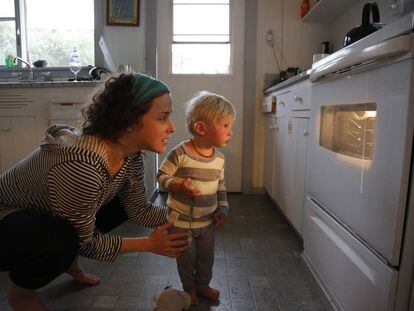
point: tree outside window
(48, 30)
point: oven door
(360, 151)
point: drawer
(300, 97)
(353, 277)
(282, 104)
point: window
(201, 37)
(7, 29)
(47, 29)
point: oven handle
(349, 59)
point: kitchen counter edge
(302, 76)
(49, 84)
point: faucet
(27, 64)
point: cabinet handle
(297, 98)
(305, 133)
(282, 103)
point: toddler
(193, 174)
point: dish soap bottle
(304, 8)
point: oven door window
(349, 129)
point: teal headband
(147, 88)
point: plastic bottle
(75, 63)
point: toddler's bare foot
(210, 293)
(193, 294)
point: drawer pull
(298, 98)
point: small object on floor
(172, 299)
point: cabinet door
(18, 138)
(269, 155)
(301, 142)
(278, 186)
(288, 165)
(291, 137)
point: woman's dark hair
(110, 113)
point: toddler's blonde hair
(208, 107)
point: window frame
(230, 42)
(21, 36)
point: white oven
(360, 153)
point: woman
(59, 201)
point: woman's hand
(184, 188)
(219, 220)
(171, 245)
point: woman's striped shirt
(67, 176)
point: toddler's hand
(219, 220)
(184, 188)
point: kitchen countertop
(294, 79)
(47, 84)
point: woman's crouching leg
(36, 248)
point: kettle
(366, 28)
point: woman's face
(155, 128)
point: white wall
(298, 41)
(127, 43)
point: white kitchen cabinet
(269, 154)
(279, 183)
(18, 138)
(286, 173)
(25, 114)
(290, 166)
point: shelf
(326, 11)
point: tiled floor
(258, 266)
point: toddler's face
(221, 131)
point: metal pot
(366, 28)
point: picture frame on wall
(122, 12)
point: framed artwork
(122, 12)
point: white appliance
(359, 170)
